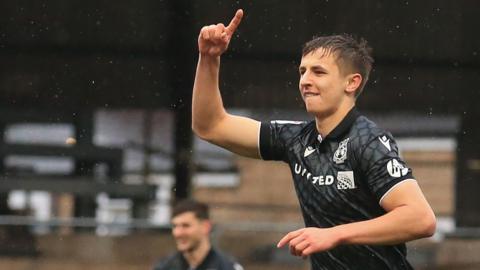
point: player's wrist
(206, 58)
(341, 235)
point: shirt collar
(344, 125)
(205, 262)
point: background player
(191, 227)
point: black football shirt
(340, 179)
(215, 260)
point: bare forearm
(207, 105)
(210, 121)
(400, 225)
(397, 226)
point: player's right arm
(210, 121)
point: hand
(310, 240)
(214, 39)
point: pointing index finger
(287, 238)
(232, 26)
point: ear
(353, 82)
(207, 226)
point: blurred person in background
(359, 200)
(191, 227)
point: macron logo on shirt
(309, 150)
(386, 142)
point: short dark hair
(351, 53)
(200, 209)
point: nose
(305, 81)
(177, 231)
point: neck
(326, 123)
(195, 257)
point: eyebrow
(315, 67)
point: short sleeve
(225, 261)
(275, 137)
(237, 266)
(382, 165)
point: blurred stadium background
(95, 116)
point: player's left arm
(408, 217)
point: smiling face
(189, 231)
(324, 87)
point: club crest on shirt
(341, 154)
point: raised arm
(210, 121)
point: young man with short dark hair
(359, 200)
(191, 227)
